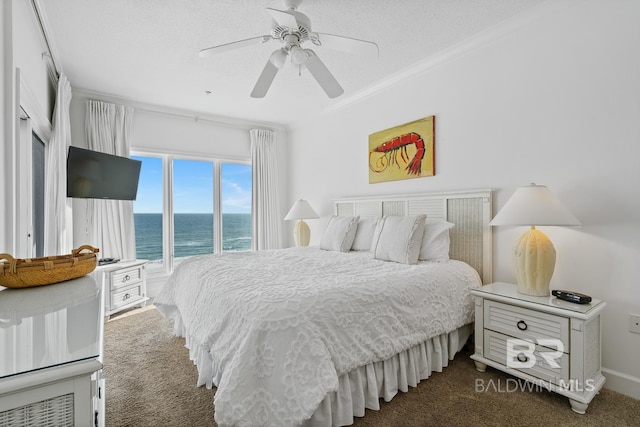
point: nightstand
(547, 341)
(124, 285)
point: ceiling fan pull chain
(299, 70)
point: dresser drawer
(125, 296)
(495, 348)
(126, 277)
(523, 323)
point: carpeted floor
(151, 382)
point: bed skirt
(359, 389)
(363, 387)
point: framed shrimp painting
(403, 152)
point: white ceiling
(147, 50)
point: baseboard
(622, 383)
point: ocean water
(193, 234)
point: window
(193, 208)
(148, 213)
(236, 207)
(187, 207)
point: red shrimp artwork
(398, 146)
(402, 152)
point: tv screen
(95, 175)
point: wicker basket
(27, 273)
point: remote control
(576, 297)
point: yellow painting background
(392, 172)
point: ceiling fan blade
(264, 81)
(233, 45)
(283, 18)
(348, 44)
(322, 75)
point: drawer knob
(126, 297)
(522, 358)
(126, 278)
(522, 325)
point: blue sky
(193, 187)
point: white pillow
(364, 234)
(339, 234)
(398, 238)
(435, 242)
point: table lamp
(301, 210)
(535, 256)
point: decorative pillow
(435, 242)
(339, 234)
(364, 234)
(398, 238)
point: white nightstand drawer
(495, 348)
(126, 277)
(524, 323)
(125, 296)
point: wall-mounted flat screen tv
(96, 175)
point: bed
(313, 336)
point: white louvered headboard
(470, 211)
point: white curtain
(107, 128)
(265, 201)
(58, 221)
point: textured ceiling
(147, 50)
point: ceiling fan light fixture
(278, 57)
(298, 55)
(292, 29)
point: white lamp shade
(534, 205)
(301, 210)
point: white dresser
(125, 285)
(50, 355)
(544, 340)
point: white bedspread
(274, 329)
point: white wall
(554, 101)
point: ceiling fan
(291, 29)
